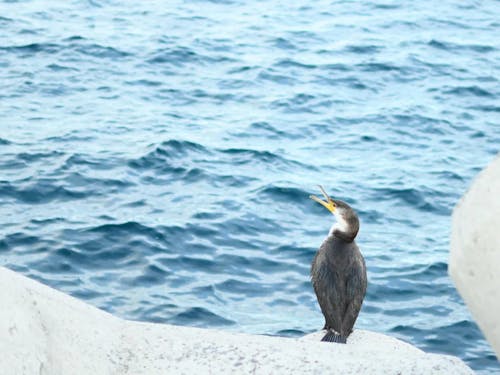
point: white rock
(43, 331)
(475, 251)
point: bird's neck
(345, 230)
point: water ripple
(164, 176)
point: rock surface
(475, 251)
(43, 331)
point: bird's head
(347, 220)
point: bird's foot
(332, 336)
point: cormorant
(338, 271)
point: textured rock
(43, 331)
(475, 251)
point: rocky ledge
(43, 331)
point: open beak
(329, 204)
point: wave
(180, 56)
(424, 200)
(469, 90)
(363, 49)
(40, 191)
(284, 194)
(99, 51)
(68, 47)
(448, 46)
(33, 48)
(290, 63)
(200, 317)
(173, 149)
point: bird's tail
(332, 336)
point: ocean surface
(156, 157)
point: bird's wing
(355, 292)
(326, 290)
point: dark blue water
(157, 157)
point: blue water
(157, 157)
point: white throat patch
(340, 225)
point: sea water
(156, 157)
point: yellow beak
(329, 204)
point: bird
(338, 271)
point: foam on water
(156, 159)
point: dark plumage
(338, 272)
